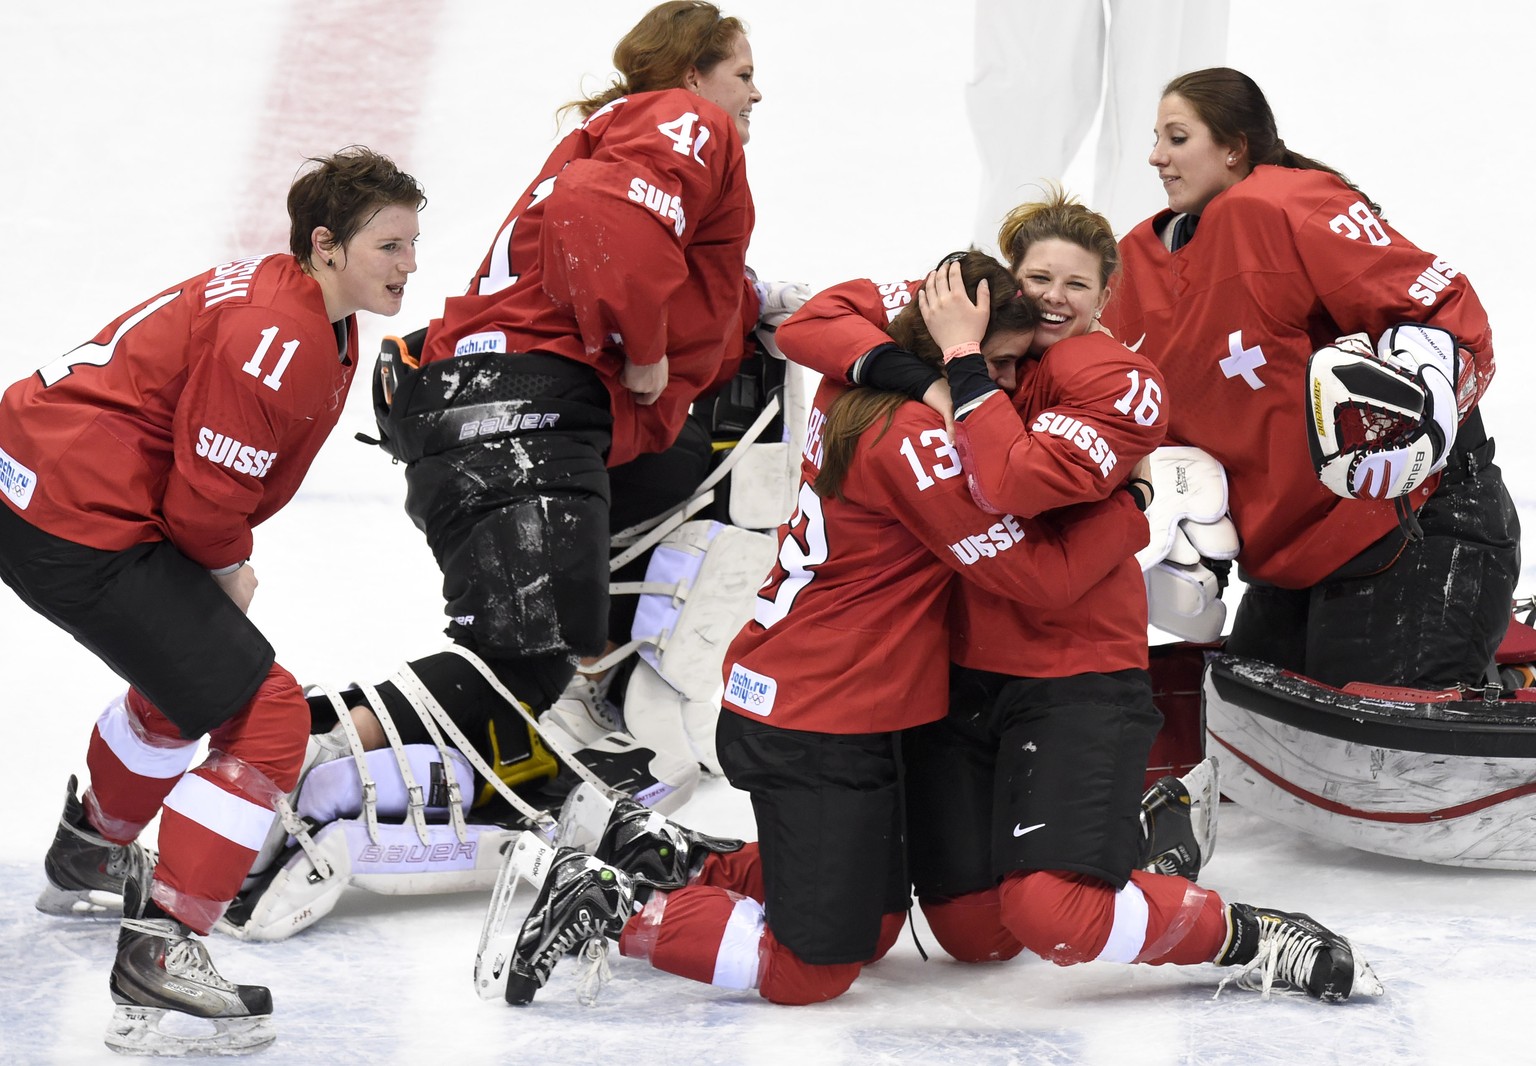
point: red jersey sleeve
(837, 327)
(1091, 409)
(617, 223)
(911, 473)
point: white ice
(145, 141)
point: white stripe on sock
(146, 760)
(736, 963)
(232, 817)
(1129, 932)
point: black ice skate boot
(162, 969)
(1178, 822)
(580, 905)
(1292, 954)
(655, 851)
(85, 870)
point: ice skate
(655, 851)
(1292, 954)
(584, 712)
(164, 975)
(1178, 821)
(85, 871)
(580, 905)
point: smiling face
(729, 85)
(371, 269)
(1192, 166)
(1062, 279)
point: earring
(330, 262)
(1231, 159)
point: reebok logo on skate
(1021, 830)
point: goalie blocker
(1382, 421)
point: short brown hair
(342, 192)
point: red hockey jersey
(1083, 381)
(630, 242)
(191, 418)
(849, 633)
(1283, 263)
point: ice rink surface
(149, 141)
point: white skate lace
(185, 957)
(595, 972)
(1282, 964)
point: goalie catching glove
(1382, 422)
(1188, 526)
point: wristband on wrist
(1141, 491)
(959, 350)
(225, 571)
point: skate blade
(82, 903)
(526, 860)
(1203, 783)
(1366, 983)
(136, 1030)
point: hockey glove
(1382, 421)
(1190, 536)
(777, 300)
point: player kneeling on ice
(135, 468)
(812, 735)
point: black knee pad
(531, 578)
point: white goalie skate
(526, 860)
(1178, 818)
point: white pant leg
(1039, 72)
(1150, 42)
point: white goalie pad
(664, 719)
(1187, 519)
(767, 474)
(333, 790)
(397, 863)
(762, 489)
(1428, 776)
(1185, 599)
(713, 572)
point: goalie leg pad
(332, 790)
(663, 719)
(671, 703)
(712, 572)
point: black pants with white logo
(1029, 774)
